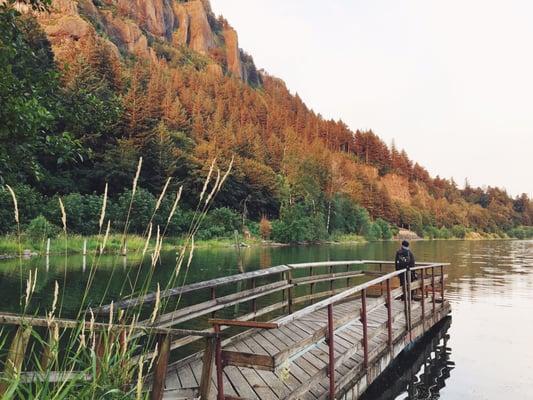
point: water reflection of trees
(419, 373)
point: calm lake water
(484, 351)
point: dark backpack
(404, 259)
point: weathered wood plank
(239, 359)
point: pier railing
(278, 294)
(434, 271)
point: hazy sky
(450, 81)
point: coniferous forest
(79, 105)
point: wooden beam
(249, 360)
(244, 324)
(325, 277)
(21, 320)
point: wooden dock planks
(304, 374)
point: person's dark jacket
(403, 251)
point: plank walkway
(303, 375)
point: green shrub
(374, 233)
(348, 217)
(142, 209)
(386, 233)
(40, 228)
(83, 212)
(299, 224)
(444, 233)
(459, 231)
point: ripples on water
(490, 340)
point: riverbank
(11, 248)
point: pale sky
(450, 81)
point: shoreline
(9, 248)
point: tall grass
(102, 359)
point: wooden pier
(323, 330)
(291, 357)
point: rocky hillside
(139, 27)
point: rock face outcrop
(232, 52)
(127, 34)
(132, 25)
(194, 30)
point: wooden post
(312, 285)
(49, 350)
(331, 352)
(124, 250)
(207, 367)
(48, 247)
(85, 247)
(218, 362)
(381, 283)
(408, 273)
(100, 350)
(213, 297)
(365, 328)
(331, 281)
(347, 279)
(389, 315)
(290, 293)
(254, 301)
(161, 365)
(15, 357)
(423, 291)
(433, 289)
(405, 291)
(442, 285)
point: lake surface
(485, 351)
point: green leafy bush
(40, 228)
(298, 224)
(374, 233)
(459, 231)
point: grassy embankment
(9, 244)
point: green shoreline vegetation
(223, 228)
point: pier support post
(207, 365)
(433, 290)
(423, 291)
(331, 345)
(290, 293)
(389, 315)
(409, 297)
(365, 328)
(158, 386)
(442, 285)
(218, 362)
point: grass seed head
(15, 203)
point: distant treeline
(70, 124)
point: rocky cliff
(133, 26)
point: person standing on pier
(405, 259)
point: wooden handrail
(28, 320)
(336, 298)
(151, 297)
